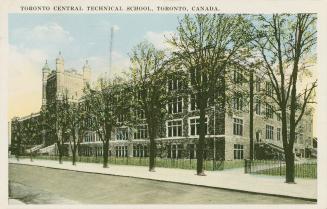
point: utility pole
(110, 50)
(251, 114)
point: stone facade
(227, 122)
(59, 82)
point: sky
(35, 38)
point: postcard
(157, 104)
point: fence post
(247, 166)
(280, 167)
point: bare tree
(206, 45)
(17, 137)
(77, 125)
(55, 117)
(149, 83)
(105, 109)
(31, 131)
(287, 43)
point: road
(39, 185)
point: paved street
(230, 179)
(38, 185)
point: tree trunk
(31, 155)
(200, 146)
(59, 152)
(152, 153)
(105, 153)
(18, 151)
(289, 158)
(251, 115)
(74, 154)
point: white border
(226, 6)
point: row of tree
(207, 47)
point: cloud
(47, 33)
(25, 81)
(25, 75)
(115, 27)
(104, 25)
(100, 64)
(159, 39)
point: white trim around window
(189, 125)
(174, 125)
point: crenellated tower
(86, 73)
(45, 75)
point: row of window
(270, 133)
(175, 129)
(175, 105)
(269, 112)
(175, 151)
(238, 129)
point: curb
(183, 183)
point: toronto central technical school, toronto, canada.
(227, 131)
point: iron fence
(302, 169)
(209, 165)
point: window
(257, 84)
(237, 101)
(122, 134)
(257, 106)
(88, 121)
(197, 76)
(269, 89)
(175, 151)
(141, 132)
(238, 151)
(174, 84)
(175, 105)
(278, 134)
(238, 77)
(278, 116)
(120, 118)
(301, 138)
(193, 102)
(98, 151)
(121, 151)
(193, 105)
(192, 150)
(89, 137)
(238, 127)
(174, 128)
(140, 150)
(194, 126)
(269, 111)
(139, 114)
(269, 132)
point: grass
(144, 161)
(305, 170)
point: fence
(278, 168)
(209, 165)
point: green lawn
(301, 171)
(160, 162)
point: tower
(60, 63)
(45, 74)
(86, 73)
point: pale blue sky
(33, 38)
(89, 33)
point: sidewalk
(15, 202)
(233, 179)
